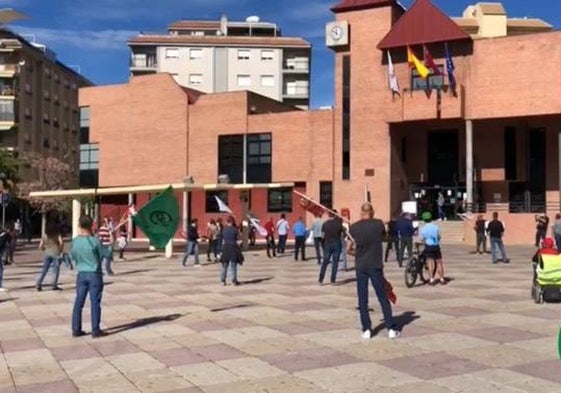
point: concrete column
(185, 212)
(129, 223)
(43, 223)
(76, 212)
(469, 165)
(169, 249)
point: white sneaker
(393, 334)
(366, 335)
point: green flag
(159, 218)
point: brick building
(489, 143)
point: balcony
(143, 63)
(296, 66)
(7, 91)
(8, 70)
(296, 90)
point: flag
(450, 68)
(394, 85)
(418, 64)
(222, 207)
(159, 218)
(389, 291)
(429, 61)
(262, 231)
(311, 206)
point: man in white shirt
(282, 230)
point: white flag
(262, 231)
(222, 207)
(394, 84)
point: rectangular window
(244, 54)
(195, 79)
(267, 55)
(195, 54)
(244, 80)
(7, 109)
(230, 157)
(211, 203)
(432, 82)
(510, 153)
(89, 156)
(346, 131)
(267, 81)
(326, 193)
(172, 53)
(259, 151)
(84, 124)
(279, 200)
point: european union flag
(450, 68)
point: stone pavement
(176, 329)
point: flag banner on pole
(429, 61)
(311, 206)
(260, 230)
(450, 68)
(414, 62)
(394, 84)
(390, 292)
(159, 218)
(222, 207)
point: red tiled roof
(220, 40)
(423, 23)
(194, 24)
(353, 5)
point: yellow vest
(549, 271)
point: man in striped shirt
(107, 239)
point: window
(244, 54)
(244, 80)
(195, 79)
(7, 110)
(172, 53)
(267, 80)
(267, 55)
(259, 158)
(510, 153)
(326, 193)
(84, 124)
(346, 131)
(230, 157)
(195, 54)
(89, 156)
(430, 83)
(212, 204)
(279, 200)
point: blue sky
(92, 33)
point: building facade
(220, 56)
(39, 110)
(488, 142)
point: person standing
(192, 247)
(300, 232)
(4, 240)
(53, 246)
(368, 234)
(440, 204)
(270, 239)
(12, 244)
(87, 253)
(122, 242)
(282, 230)
(542, 223)
(212, 236)
(107, 238)
(17, 227)
(231, 252)
(332, 232)
(405, 231)
(556, 231)
(392, 238)
(430, 235)
(480, 228)
(344, 237)
(317, 234)
(496, 230)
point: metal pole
(469, 165)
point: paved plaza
(175, 329)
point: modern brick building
(489, 143)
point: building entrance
(443, 157)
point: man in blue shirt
(430, 234)
(300, 232)
(405, 231)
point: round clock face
(336, 32)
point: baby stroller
(546, 286)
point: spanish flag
(418, 64)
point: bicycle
(417, 266)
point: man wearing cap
(430, 234)
(366, 243)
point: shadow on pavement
(143, 322)
(401, 321)
(135, 272)
(345, 281)
(256, 280)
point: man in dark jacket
(192, 247)
(496, 230)
(393, 240)
(405, 231)
(332, 233)
(481, 236)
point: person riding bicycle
(430, 235)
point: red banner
(311, 207)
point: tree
(9, 165)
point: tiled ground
(175, 329)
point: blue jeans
(376, 276)
(318, 244)
(282, 244)
(331, 252)
(497, 242)
(233, 272)
(91, 282)
(107, 253)
(192, 248)
(558, 241)
(48, 261)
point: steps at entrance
(452, 231)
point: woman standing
(53, 246)
(212, 235)
(87, 252)
(231, 252)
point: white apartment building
(219, 56)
